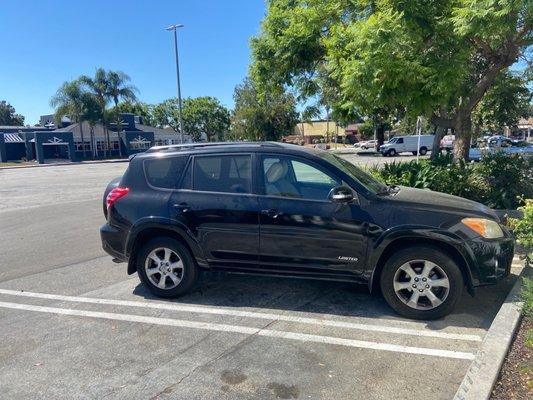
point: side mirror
(341, 194)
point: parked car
(287, 211)
(369, 144)
(401, 144)
(501, 144)
(446, 143)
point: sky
(45, 43)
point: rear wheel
(421, 283)
(166, 267)
(423, 151)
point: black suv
(283, 210)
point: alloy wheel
(164, 268)
(421, 284)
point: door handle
(182, 208)
(271, 213)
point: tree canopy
(262, 117)
(8, 115)
(205, 115)
(435, 58)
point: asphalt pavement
(75, 325)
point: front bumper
(492, 259)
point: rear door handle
(271, 213)
(182, 208)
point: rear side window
(226, 174)
(165, 172)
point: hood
(430, 200)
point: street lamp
(175, 28)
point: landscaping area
(516, 376)
(499, 181)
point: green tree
(99, 86)
(8, 115)
(266, 116)
(71, 100)
(205, 115)
(504, 104)
(110, 86)
(435, 58)
(166, 114)
(119, 88)
(146, 111)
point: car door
(217, 204)
(301, 230)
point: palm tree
(107, 86)
(120, 89)
(70, 99)
(99, 86)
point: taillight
(116, 194)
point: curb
(485, 369)
(66, 163)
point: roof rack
(173, 147)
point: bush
(498, 181)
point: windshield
(393, 140)
(356, 173)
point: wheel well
(144, 236)
(402, 243)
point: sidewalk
(52, 164)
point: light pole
(175, 28)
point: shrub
(498, 181)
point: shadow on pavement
(333, 298)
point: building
(313, 131)
(82, 141)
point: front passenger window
(285, 177)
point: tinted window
(165, 172)
(287, 177)
(227, 174)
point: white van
(400, 144)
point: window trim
(253, 188)
(261, 178)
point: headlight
(485, 227)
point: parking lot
(75, 325)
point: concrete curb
(485, 369)
(66, 163)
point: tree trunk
(439, 134)
(380, 134)
(82, 139)
(119, 127)
(463, 135)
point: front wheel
(166, 267)
(421, 283)
(391, 153)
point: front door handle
(182, 208)
(271, 213)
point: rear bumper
(113, 242)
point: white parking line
(248, 314)
(245, 330)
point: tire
(391, 153)
(397, 285)
(186, 276)
(423, 151)
(363, 147)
